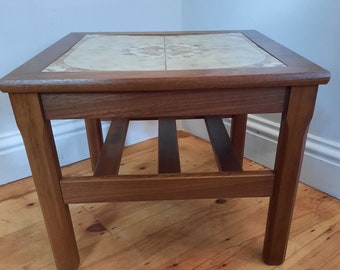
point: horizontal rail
(167, 186)
(176, 104)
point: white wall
(27, 27)
(312, 29)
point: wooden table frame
(39, 97)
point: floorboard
(193, 234)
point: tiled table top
(105, 52)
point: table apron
(156, 104)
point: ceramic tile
(146, 53)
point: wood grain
(162, 235)
(28, 78)
(294, 126)
(95, 139)
(167, 187)
(168, 155)
(111, 153)
(238, 135)
(41, 151)
(226, 157)
(151, 95)
(164, 104)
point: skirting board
(321, 164)
(68, 134)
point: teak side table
(164, 76)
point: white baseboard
(68, 135)
(71, 142)
(320, 169)
(321, 164)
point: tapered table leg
(40, 147)
(293, 131)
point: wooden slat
(167, 186)
(226, 158)
(95, 139)
(111, 153)
(315, 235)
(168, 155)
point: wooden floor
(196, 234)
